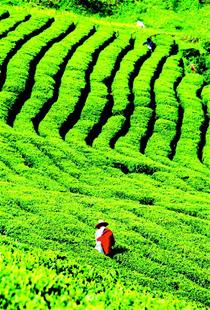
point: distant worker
(104, 238)
(140, 24)
(193, 67)
(150, 44)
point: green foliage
(51, 280)
(108, 7)
(96, 79)
(104, 7)
(201, 62)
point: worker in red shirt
(104, 238)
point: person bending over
(104, 239)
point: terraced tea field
(93, 125)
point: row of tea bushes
(75, 81)
(11, 23)
(10, 45)
(23, 64)
(187, 147)
(143, 98)
(122, 92)
(166, 109)
(98, 101)
(50, 69)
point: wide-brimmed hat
(101, 223)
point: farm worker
(104, 238)
(140, 24)
(192, 67)
(150, 44)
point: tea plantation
(94, 125)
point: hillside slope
(93, 125)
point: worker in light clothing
(140, 24)
(104, 238)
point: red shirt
(107, 240)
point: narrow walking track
(204, 126)
(180, 115)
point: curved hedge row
(77, 99)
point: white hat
(101, 223)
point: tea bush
(78, 97)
